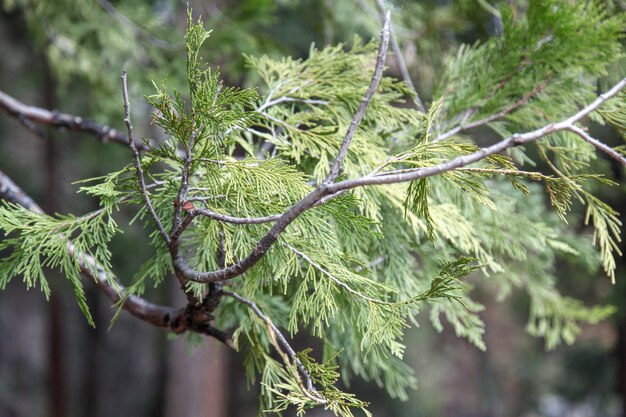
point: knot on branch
(197, 317)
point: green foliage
(360, 268)
(612, 113)
(556, 317)
(37, 242)
(310, 103)
(549, 45)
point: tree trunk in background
(619, 293)
(56, 376)
(91, 363)
(198, 383)
(621, 358)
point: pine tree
(323, 202)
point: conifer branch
(154, 314)
(324, 190)
(399, 56)
(193, 318)
(358, 116)
(32, 114)
(137, 161)
(282, 345)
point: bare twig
(404, 70)
(195, 212)
(490, 9)
(490, 171)
(26, 113)
(137, 161)
(310, 390)
(192, 213)
(231, 219)
(358, 116)
(206, 198)
(286, 99)
(598, 145)
(10, 192)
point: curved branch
(310, 390)
(598, 145)
(358, 116)
(53, 118)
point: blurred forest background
(69, 54)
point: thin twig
(310, 390)
(184, 182)
(477, 170)
(598, 145)
(193, 213)
(337, 280)
(358, 116)
(232, 219)
(137, 161)
(285, 99)
(206, 198)
(404, 70)
(467, 126)
(490, 9)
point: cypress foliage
(359, 267)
